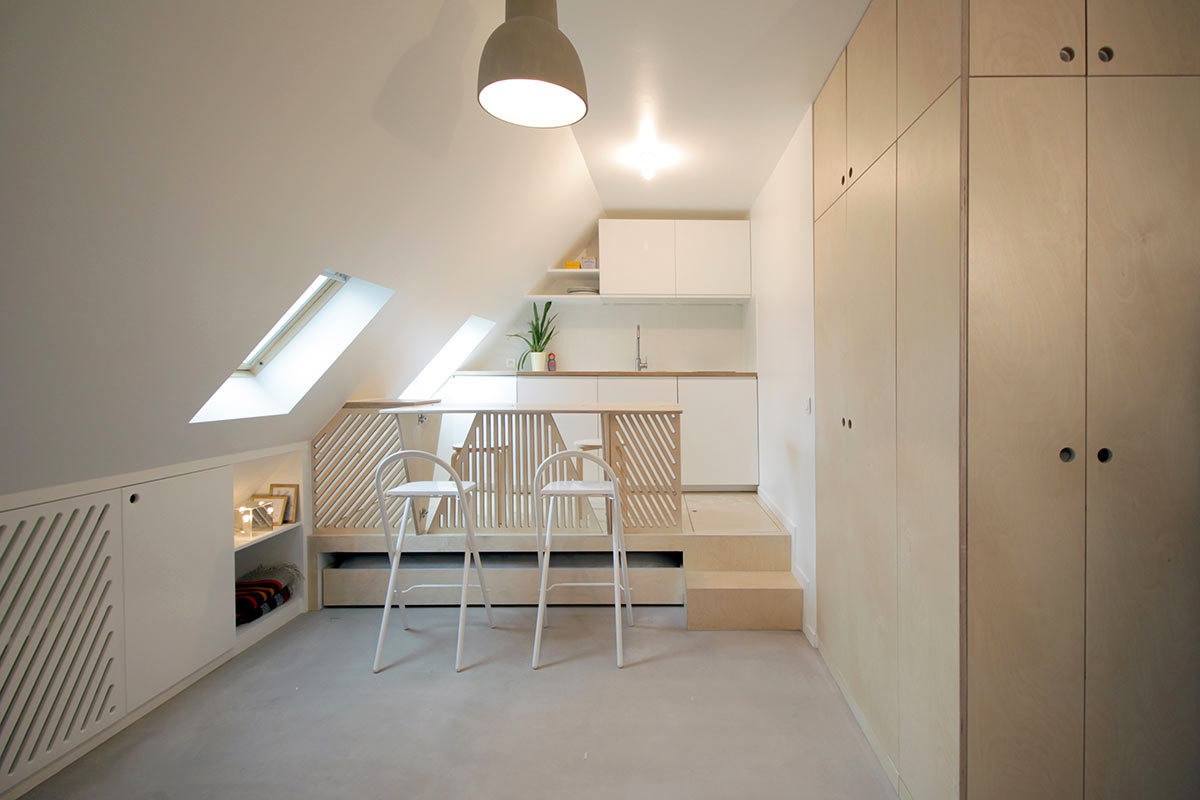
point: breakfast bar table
(506, 442)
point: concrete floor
(694, 714)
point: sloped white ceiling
(725, 81)
(174, 175)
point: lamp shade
(529, 72)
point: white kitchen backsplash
(601, 337)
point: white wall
(781, 235)
(175, 174)
(602, 336)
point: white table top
(544, 408)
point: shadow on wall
(419, 81)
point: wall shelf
(242, 542)
(647, 299)
(562, 271)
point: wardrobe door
(829, 139)
(928, 54)
(1027, 37)
(928, 419)
(1143, 459)
(1148, 37)
(870, 88)
(1025, 428)
(831, 357)
(870, 671)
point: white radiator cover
(62, 648)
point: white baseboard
(885, 759)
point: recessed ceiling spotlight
(648, 155)
(529, 72)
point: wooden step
(743, 600)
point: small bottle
(550, 365)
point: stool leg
(617, 598)
(542, 579)
(620, 534)
(471, 548)
(462, 609)
(391, 590)
(408, 509)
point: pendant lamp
(529, 73)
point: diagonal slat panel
(62, 644)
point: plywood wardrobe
(1025, 619)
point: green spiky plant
(541, 331)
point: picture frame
(292, 492)
(277, 505)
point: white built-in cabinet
(682, 258)
(637, 390)
(179, 604)
(565, 389)
(719, 436)
(712, 257)
(719, 424)
(637, 256)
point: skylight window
(449, 359)
(309, 302)
(298, 349)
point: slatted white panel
(345, 455)
(643, 449)
(62, 648)
(501, 453)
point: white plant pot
(537, 362)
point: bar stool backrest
(564, 455)
(407, 455)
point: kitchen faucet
(639, 363)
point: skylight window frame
(296, 319)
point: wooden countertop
(542, 408)
(387, 403)
(615, 373)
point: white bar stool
(608, 489)
(454, 488)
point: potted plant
(541, 331)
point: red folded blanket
(255, 598)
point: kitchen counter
(648, 373)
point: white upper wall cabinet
(684, 258)
(712, 257)
(637, 256)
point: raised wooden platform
(733, 557)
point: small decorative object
(582, 290)
(551, 365)
(541, 331)
(587, 263)
(273, 505)
(291, 491)
(250, 520)
(571, 265)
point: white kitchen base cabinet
(720, 432)
(179, 604)
(637, 390)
